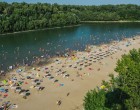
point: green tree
(24, 16)
(122, 92)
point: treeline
(110, 13)
(122, 92)
(23, 16)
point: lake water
(21, 47)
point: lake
(22, 47)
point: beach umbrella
(18, 89)
(14, 106)
(61, 84)
(13, 87)
(28, 93)
(5, 95)
(20, 82)
(31, 87)
(19, 70)
(37, 87)
(4, 82)
(103, 87)
(23, 93)
(10, 82)
(37, 75)
(34, 68)
(2, 90)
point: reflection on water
(22, 47)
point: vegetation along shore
(16, 17)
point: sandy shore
(66, 79)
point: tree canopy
(121, 92)
(23, 16)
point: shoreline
(51, 59)
(121, 21)
(18, 32)
(47, 61)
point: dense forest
(22, 16)
(122, 92)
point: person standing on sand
(59, 102)
(68, 94)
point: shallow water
(21, 47)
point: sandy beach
(63, 84)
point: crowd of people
(23, 82)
